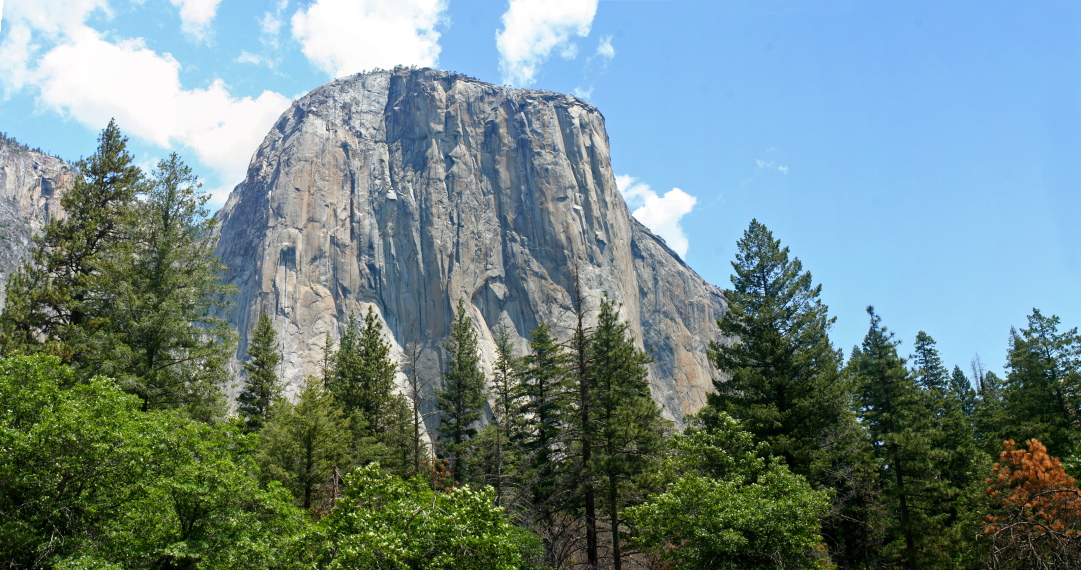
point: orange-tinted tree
(1035, 519)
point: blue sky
(922, 157)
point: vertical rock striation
(30, 188)
(406, 190)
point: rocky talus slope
(407, 190)
(30, 188)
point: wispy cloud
(771, 165)
(343, 37)
(661, 214)
(533, 29)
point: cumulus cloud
(79, 74)
(661, 214)
(196, 16)
(533, 29)
(343, 37)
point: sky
(922, 157)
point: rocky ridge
(407, 190)
(30, 188)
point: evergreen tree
(461, 398)
(261, 386)
(961, 390)
(1042, 396)
(918, 442)
(303, 443)
(582, 433)
(362, 377)
(930, 373)
(57, 302)
(543, 391)
(783, 382)
(505, 385)
(630, 433)
(168, 345)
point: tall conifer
(782, 379)
(461, 398)
(261, 385)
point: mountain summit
(408, 190)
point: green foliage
(1042, 396)
(960, 389)
(90, 481)
(925, 450)
(384, 522)
(302, 443)
(784, 383)
(362, 376)
(62, 295)
(461, 398)
(167, 344)
(725, 507)
(261, 387)
(126, 285)
(629, 430)
(543, 391)
(506, 420)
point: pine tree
(58, 301)
(362, 377)
(1042, 396)
(461, 398)
(303, 443)
(930, 372)
(629, 430)
(961, 390)
(261, 385)
(168, 343)
(783, 382)
(582, 431)
(505, 388)
(543, 391)
(922, 444)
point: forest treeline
(120, 450)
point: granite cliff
(407, 190)
(30, 188)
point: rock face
(409, 190)
(30, 188)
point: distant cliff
(408, 190)
(30, 188)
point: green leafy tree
(304, 442)
(57, 303)
(783, 382)
(723, 506)
(461, 398)
(505, 417)
(261, 385)
(1042, 396)
(630, 433)
(384, 522)
(88, 480)
(930, 373)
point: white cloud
(77, 73)
(771, 165)
(92, 80)
(196, 16)
(343, 37)
(661, 214)
(605, 52)
(532, 29)
(582, 93)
